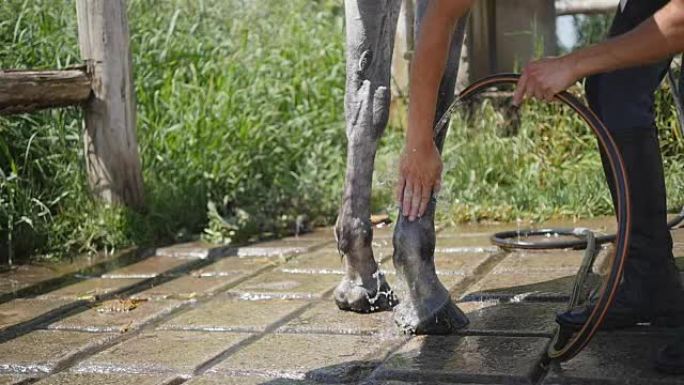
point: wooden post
(505, 35)
(112, 158)
(403, 49)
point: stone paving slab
(324, 261)
(329, 261)
(195, 250)
(97, 320)
(103, 379)
(316, 234)
(235, 266)
(456, 241)
(325, 317)
(314, 342)
(42, 350)
(248, 380)
(319, 262)
(324, 358)
(552, 286)
(452, 263)
(277, 284)
(11, 379)
(282, 247)
(229, 314)
(468, 359)
(21, 310)
(537, 262)
(177, 352)
(91, 288)
(147, 268)
(450, 282)
(505, 318)
(382, 250)
(187, 287)
(22, 276)
(610, 359)
(417, 382)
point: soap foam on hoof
(351, 296)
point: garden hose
(512, 239)
(567, 344)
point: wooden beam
(112, 157)
(573, 7)
(28, 90)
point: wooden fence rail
(27, 91)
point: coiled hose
(567, 344)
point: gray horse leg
(370, 28)
(426, 307)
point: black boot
(650, 290)
(670, 359)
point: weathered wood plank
(112, 157)
(29, 90)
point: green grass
(241, 131)
(239, 105)
(550, 169)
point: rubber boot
(624, 101)
(670, 359)
(650, 290)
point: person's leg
(624, 100)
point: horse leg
(426, 307)
(370, 28)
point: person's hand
(543, 79)
(420, 172)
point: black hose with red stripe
(567, 345)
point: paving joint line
(541, 369)
(164, 277)
(125, 258)
(81, 305)
(78, 306)
(480, 272)
(207, 365)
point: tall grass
(550, 168)
(239, 123)
(241, 132)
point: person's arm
(421, 166)
(658, 37)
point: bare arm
(660, 36)
(421, 166)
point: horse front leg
(370, 28)
(426, 307)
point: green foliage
(241, 132)
(549, 168)
(239, 110)
(592, 29)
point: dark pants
(624, 100)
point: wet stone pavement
(263, 314)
